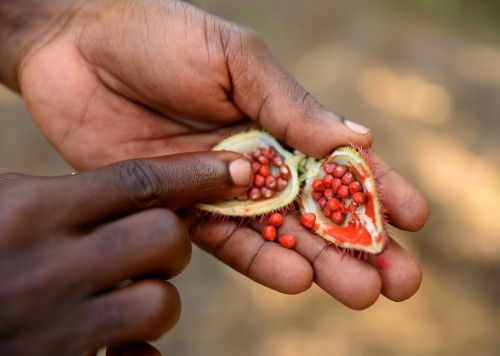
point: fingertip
(346, 131)
(401, 274)
(162, 308)
(319, 132)
(143, 310)
(407, 208)
(363, 292)
(357, 128)
(241, 172)
(351, 281)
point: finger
(265, 92)
(247, 252)
(401, 275)
(135, 348)
(350, 280)
(152, 242)
(171, 181)
(144, 310)
(406, 208)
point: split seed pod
(352, 217)
(340, 190)
(261, 148)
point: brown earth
(429, 88)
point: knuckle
(138, 180)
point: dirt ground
(429, 88)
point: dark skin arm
(105, 82)
(70, 245)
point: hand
(150, 78)
(355, 282)
(70, 245)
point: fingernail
(354, 126)
(241, 172)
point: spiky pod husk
(363, 229)
(246, 142)
(364, 226)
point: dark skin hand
(70, 245)
(144, 78)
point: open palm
(137, 79)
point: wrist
(25, 26)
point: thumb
(269, 95)
(173, 181)
(125, 187)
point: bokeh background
(424, 75)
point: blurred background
(424, 75)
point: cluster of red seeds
(271, 174)
(270, 231)
(333, 191)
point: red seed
(277, 160)
(329, 167)
(327, 180)
(318, 185)
(336, 183)
(338, 217)
(258, 181)
(322, 202)
(308, 220)
(355, 187)
(256, 153)
(282, 184)
(327, 212)
(287, 241)
(265, 170)
(271, 182)
(348, 178)
(343, 191)
(285, 171)
(266, 192)
(256, 165)
(263, 160)
(360, 198)
(317, 195)
(334, 204)
(271, 152)
(339, 171)
(328, 193)
(276, 220)
(254, 194)
(269, 233)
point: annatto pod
(275, 183)
(340, 190)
